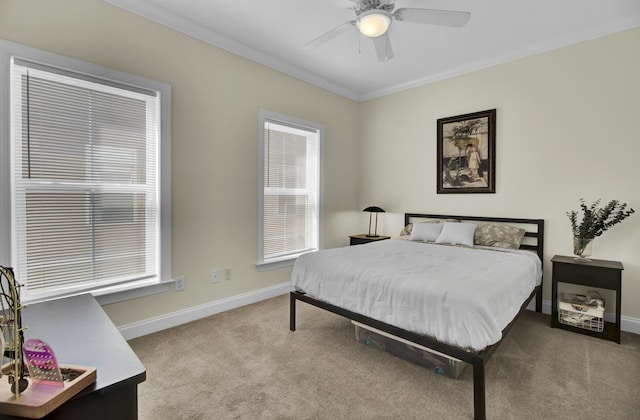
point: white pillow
(425, 231)
(457, 233)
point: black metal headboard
(534, 227)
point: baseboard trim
(159, 323)
(627, 323)
(151, 325)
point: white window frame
(118, 292)
(264, 117)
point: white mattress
(461, 296)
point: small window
(290, 162)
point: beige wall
(566, 129)
(215, 100)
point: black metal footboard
(476, 360)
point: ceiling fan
(374, 17)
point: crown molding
(190, 28)
(197, 31)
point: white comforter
(461, 296)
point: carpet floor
(246, 364)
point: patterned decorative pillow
(502, 236)
(407, 230)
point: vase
(582, 247)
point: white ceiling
(272, 32)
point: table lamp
(371, 210)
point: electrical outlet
(179, 284)
(227, 274)
(215, 275)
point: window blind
(290, 202)
(85, 181)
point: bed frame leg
(539, 300)
(479, 403)
(292, 311)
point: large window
(85, 181)
(290, 161)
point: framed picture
(467, 153)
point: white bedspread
(461, 296)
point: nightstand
(601, 274)
(364, 239)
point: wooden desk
(80, 333)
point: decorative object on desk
(42, 363)
(371, 210)
(43, 370)
(595, 221)
(11, 323)
(3, 343)
(466, 150)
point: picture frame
(466, 153)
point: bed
(396, 287)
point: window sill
(285, 261)
(120, 293)
(272, 265)
(113, 294)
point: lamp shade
(374, 209)
(374, 23)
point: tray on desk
(38, 400)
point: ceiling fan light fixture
(374, 23)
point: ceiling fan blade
(383, 47)
(432, 17)
(328, 36)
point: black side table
(591, 273)
(364, 239)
